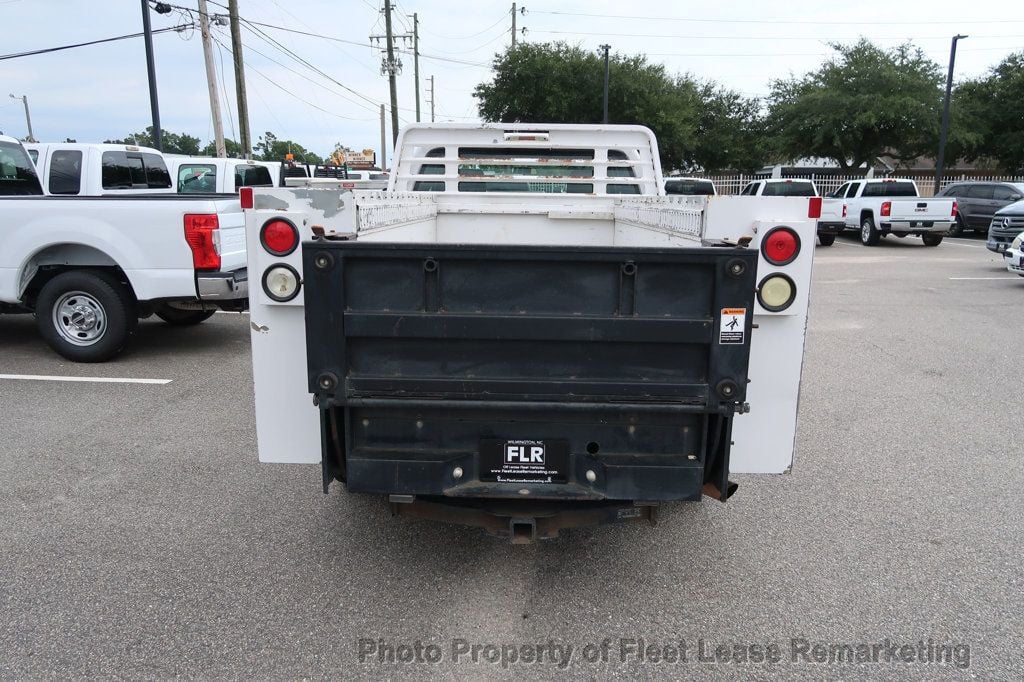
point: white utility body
(523, 188)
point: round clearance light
(776, 292)
(279, 237)
(780, 246)
(281, 283)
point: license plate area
(524, 461)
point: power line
(736, 37)
(472, 35)
(915, 22)
(300, 75)
(15, 55)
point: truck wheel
(183, 318)
(957, 228)
(86, 315)
(932, 239)
(869, 236)
(827, 239)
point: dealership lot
(142, 539)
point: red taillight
(844, 210)
(886, 208)
(814, 207)
(955, 208)
(199, 229)
(245, 195)
(780, 246)
(279, 237)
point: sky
(333, 94)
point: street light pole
(944, 131)
(28, 119)
(605, 48)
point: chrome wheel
(865, 232)
(79, 318)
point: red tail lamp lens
(780, 246)
(279, 237)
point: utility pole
(944, 132)
(431, 99)
(245, 142)
(28, 119)
(416, 59)
(154, 105)
(605, 48)
(392, 69)
(211, 80)
(383, 141)
(513, 25)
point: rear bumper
(830, 227)
(222, 286)
(917, 227)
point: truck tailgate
(231, 235)
(626, 364)
(930, 210)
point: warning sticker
(734, 325)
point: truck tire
(827, 239)
(957, 228)
(182, 318)
(932, 239)
(869, 234)
(86, 315)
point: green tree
(863, 102)
(232, 149)
(559, 83)
(730, 132)
(269, 148)
(986, 116)
(173, 143)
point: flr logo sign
(524, 452)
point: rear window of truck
(17, 172)
(252, 176)
(65, 171)
(789, 188)
(134, 170)
(889, 189)
(197, 178)
(690, 187)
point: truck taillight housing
(780, 246)
(199, 234)
(886, 208)
(279, 237)
(776, 292)
(814, 207)
(245, 197)
(955, 209)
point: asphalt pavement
(140, 537)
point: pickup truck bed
(440, 353)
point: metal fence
(828, 183)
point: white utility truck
(90, 266)
(93, 170)
(524, 333)
(877, 207)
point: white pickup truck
(90, 266)
(211, 175)
(93, 170)
(877, 207)
(524, 332)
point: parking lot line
(958, 243)
(98, 380)
(967, 278)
